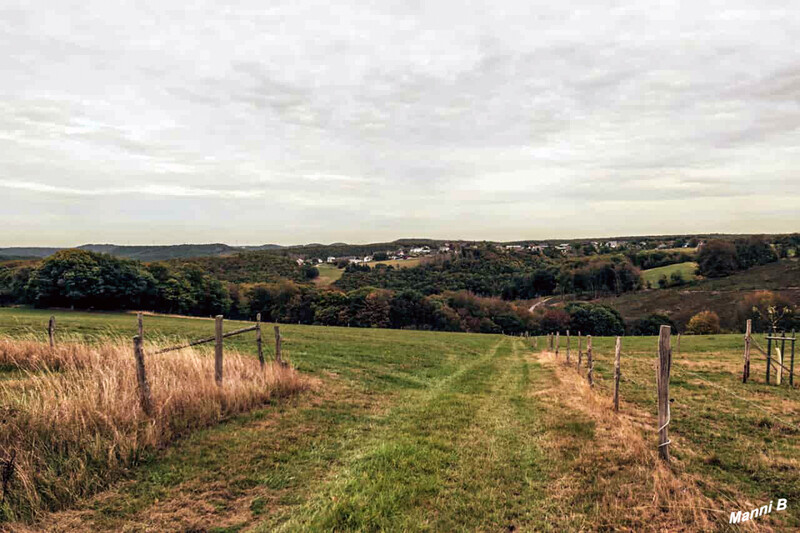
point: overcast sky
(292, 122)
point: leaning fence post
(278, 355)
(258, 340)
(662, 381)
(51, 331)
(747, 333)
(218, 349)
(617, 372)
(145, 398)
(580, 351)
(558, 342)
(589, 361)
(567, 346)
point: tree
(753, 251)
(592, 319)
(380, 256)
(704, 323)
(651, 325)
(717, 259)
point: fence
(664, 369)
(145, 394)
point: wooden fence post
(145, 398)
(662, 381)
(617, 372)
(567, 346)
(769, 353)
(558, 342)
(589, 361)
(218, 349)
(782, 356)
(278, 355)
(791, 364)
(748, 332)
(580, 351)
(51, 331)
(258, 340)
(140, 325)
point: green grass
(328, 274)
(687, 270)
(426, 431)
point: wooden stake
(662, 381)
(781, 356)
(258, 340)
(51, 331)
(791, 363)
(580, 351)
(218, 349)
(567, 346)
(748, 332)
(617, 372)
(558, 342)
(278, 356)
(145, 399)
(769, 353)
(589, 362)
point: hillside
(247, 267)
(719, 295)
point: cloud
(309, 121)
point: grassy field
(328, 274)
(719, 295)
(404, 263)
(423, 431)
(687, 270)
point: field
(719, 295)
(686, 270)
(328, 274)
(409, 431)
(397, 263)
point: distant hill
(141, 253)
(720, 295)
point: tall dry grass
(74, 420)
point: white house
(331, 260)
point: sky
(292, 122)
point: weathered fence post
(558, 342)
(769, 352)
(782, 356)
(617, 372)
(218, 349)
(140, 325)
(791, 364)
(748, 332)
(589, 361)
(278, 355)
(567, 346)
(145, 398)
(662, 381)
(51, 331)
(258, 340)
(580, 351)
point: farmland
(685, 270)
(410, 430)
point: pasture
(411, 430)
(686, 270)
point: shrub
(651, 325)
(704, 323)
(592, 319)
(717, 259)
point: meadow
(428, 431)
(686, 270)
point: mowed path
(451, 433)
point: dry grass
(636, 491)
(74, 419)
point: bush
(592, 319)
(704, 323)
(651, 325)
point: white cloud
(309, 121)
